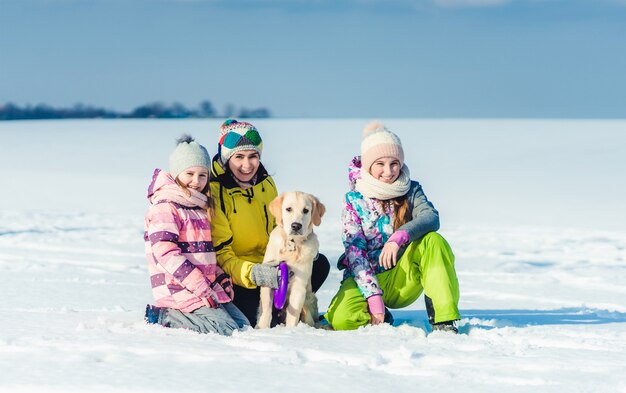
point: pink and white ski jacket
(181, 259)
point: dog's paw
(262, 326)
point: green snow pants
(427, 265)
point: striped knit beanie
(379, 142)
(188, 153)
(237, 136)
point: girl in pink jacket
(190, 290)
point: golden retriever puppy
(294, 242)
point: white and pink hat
(379, 142)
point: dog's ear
(318, 211)
(276, 208)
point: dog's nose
(296, 226)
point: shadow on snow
(490, 319)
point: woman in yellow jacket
(242, 190)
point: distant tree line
(156, 110)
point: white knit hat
(379, 142)
(188, 153)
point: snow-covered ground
(534, 210)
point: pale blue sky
(324, 58)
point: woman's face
(195, 177)
(386, 169)
(244, 164)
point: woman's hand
(389, 254)
(264, 275)
(376, 319)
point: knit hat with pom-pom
(237, 136)
(379, 142)
(188, 153)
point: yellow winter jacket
(241, 223)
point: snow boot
(388, 317)
(153, 313)
(447, 326)
(323, 323)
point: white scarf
(374, 188)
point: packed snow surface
(535, 212)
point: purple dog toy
(280, 294)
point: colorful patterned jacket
(181, 260)
(368, 224)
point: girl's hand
(230, 292)
(389, 254)
(227, 284)
(377, 319)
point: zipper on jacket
(222, 198)
(232, 196)
(267, 220)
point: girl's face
(244, 164)
(195, 177)
(386, 169)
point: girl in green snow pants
(392, 251)
(427, 265)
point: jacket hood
(163, 187)
(160, 179)
(354, 171)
